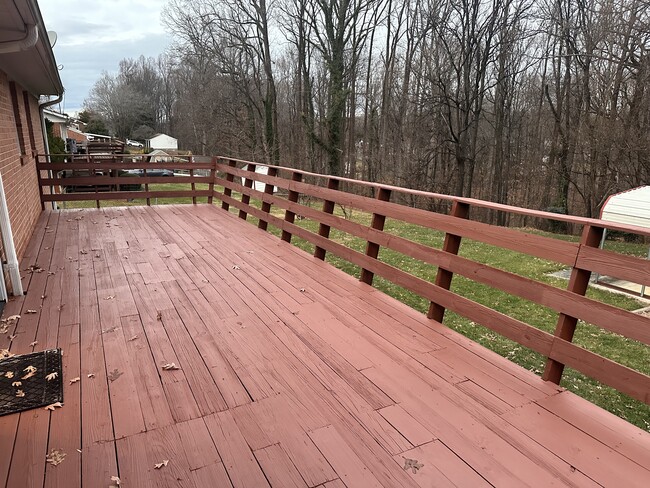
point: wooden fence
(571, 304)
(98, 177)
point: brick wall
(19, 172)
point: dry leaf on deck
(165, 462)
(83, 251)
(235, 267)
(74, 380)
(412, 464)
(53, 406)
(109, 297)
(43, 297)
(51, 376)
(32, 344)
(133, 338)
(116, 480)
(302, 290)
(115, 374)
(60, 307)
(55, 457)
(4, 353)
(170, 366)
(91, 375)
(20, 393)
(159, 315)
(32, 311)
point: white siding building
(162, 141)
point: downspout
(46, 142)
(8, 242)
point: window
(19, 122)
(30, 125)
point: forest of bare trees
(538, 103)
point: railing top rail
(572, 219)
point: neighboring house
(59, 123)
(159, 156)
(161, 141)
(77, 135)
(28, 70)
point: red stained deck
(292, 373)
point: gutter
(27, 42)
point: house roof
(158, 135)
(56, 117)
(30, 63)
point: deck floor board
(291, 373)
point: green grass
(625, 351)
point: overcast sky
(94, 36)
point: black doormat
(24, 382)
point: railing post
(228, 191)
(246, 199)
(266, 206)
(146, 186)
(372, 248)
(193, 184)
(578, 284)
(450, 245)
(213, 171)
(324, 229)
(290, 216)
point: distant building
(59, 123)
(162, 141)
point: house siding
(19, 172)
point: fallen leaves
(115, 374)
(159, 315)
(133, 338)
(31, 371)
(412, 464)
(91, 375)
(302, 290)
(53, 406)
(109, 297)
(235, 267)
(170, 367)
(74, 380)
(51, 376)
(31, 311)
(32, 344)
(165, 462)
(4, 353)
(55, 457)
(116, 480)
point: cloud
(94, 37)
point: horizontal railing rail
(571, 304)
(99, 177)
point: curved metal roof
(629, 207)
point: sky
(93, 36)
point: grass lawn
(625, 351)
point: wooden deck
(292, 373)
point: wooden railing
(571, 304)
(97, 177)
(103, 181)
